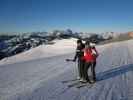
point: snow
(40, 78)
(60, 47)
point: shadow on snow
(114, 72)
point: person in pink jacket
(90, 55)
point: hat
(79, 41)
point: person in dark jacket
(93, 64)
(78, 56)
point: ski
(84, 85)
(73, 84)
(69, 60)
(71, 80)
(79, 84)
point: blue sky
(78, 15)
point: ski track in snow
(41, 79)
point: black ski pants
(93, 66)
(81, 68)
(86, 67)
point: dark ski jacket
(79, 52)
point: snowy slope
(40, 79)
(60, 47)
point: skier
(79, 55)
(90, 55)
(93, 64)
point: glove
(67, 60)
(74, 60)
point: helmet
(79, 41)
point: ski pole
(75, 69)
